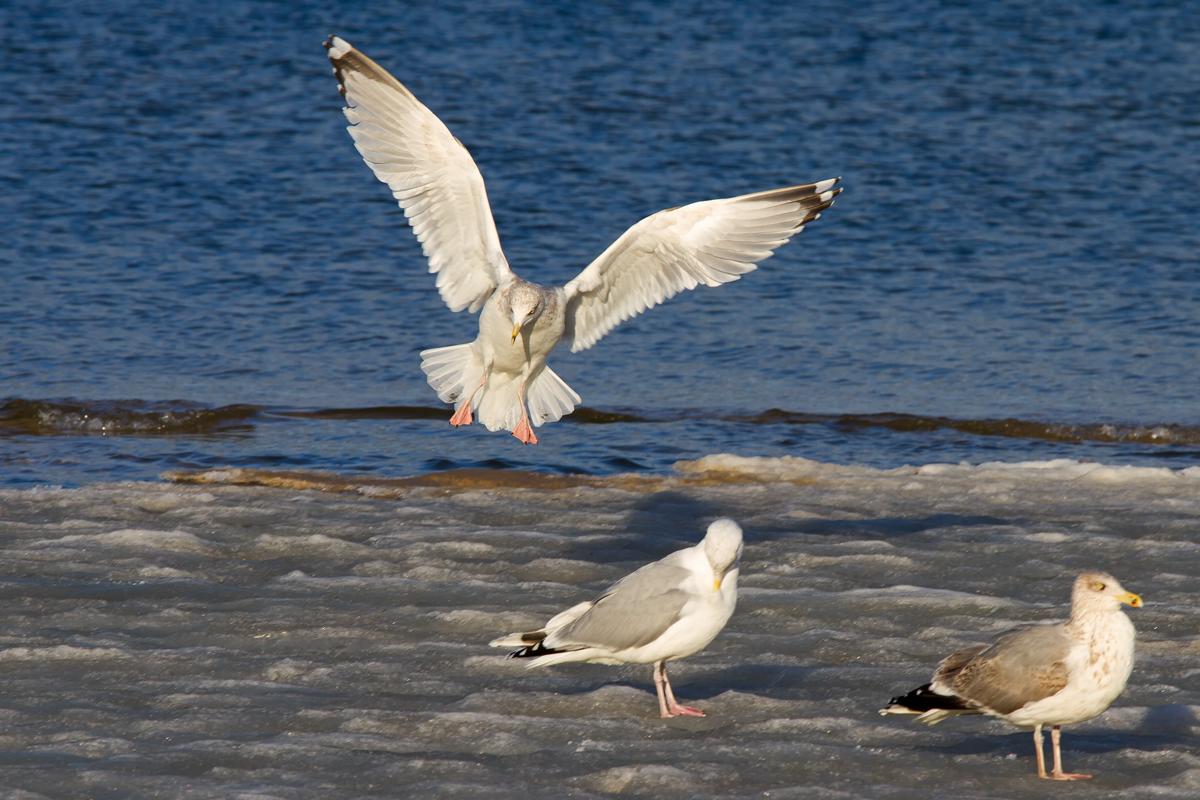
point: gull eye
(1099, 587)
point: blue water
(187, 225)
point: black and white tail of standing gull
(665, 611)
(1039, 675)
(502, 377)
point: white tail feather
(453, 371)
(557, 621)
(497, 405)
(512, 640)
(549, 398)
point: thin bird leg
(672, 706)
(523, 431)
(463, 415)
(660, 677)
(1037, 743)
(1058, 774)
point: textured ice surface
(231, 641)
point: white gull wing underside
(711, 242)
(429, 172)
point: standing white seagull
(664, 611)
(1039, 675)
(442, 194)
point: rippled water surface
(188, 225)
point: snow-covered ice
(204, 641)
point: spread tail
(452, 371)
(455, 373)
(549, 398)
(497, 404)
(546, 396)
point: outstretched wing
(429, 172)
(712, 242)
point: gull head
(524, 305)
(1099, 591)
(723, 547)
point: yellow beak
(1132, 599)
(717, 585)
(516, 330)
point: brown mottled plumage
(1039, 674)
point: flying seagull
(502, 377)
(665, 611)
(1039, 675)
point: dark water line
(1163, 433)
(113, 417)
(173, 418)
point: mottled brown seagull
(1039, 675)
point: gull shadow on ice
(879, 527)
(662, 522)
(663, 518)
(657, 525)
(766, 680)
(1162, 728)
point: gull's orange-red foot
(524, 432)
(684, 711)
(462, 416)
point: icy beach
(223, 640)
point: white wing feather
(711, 242)
(429, 172)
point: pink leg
(1037, 742)
(524, 431)
(463, 415)
(1058, 774)
(670, 708)
(659, 679)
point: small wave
(592, 416)
(371, 412)
(454, 480)
(51, 418)
(581, 414)
(1009, 427)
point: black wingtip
(532, 651)
(924, 699)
